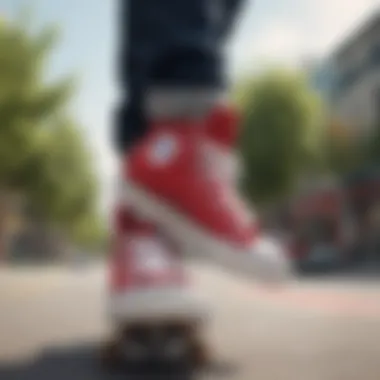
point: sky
(269, 32)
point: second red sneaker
(174, 178)
(147, 280)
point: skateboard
(170, 344)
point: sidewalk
(21, 281)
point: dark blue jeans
(168, 44)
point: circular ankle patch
(164, 149)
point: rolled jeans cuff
(182, 102)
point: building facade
(356, 91)
(349, 80)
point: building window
(349, 78)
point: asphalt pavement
(52, 324)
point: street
(52, 324)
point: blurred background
(306, 77)
(305, 70)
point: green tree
(43, 157)
(27, 103)
(280, 134)
(66, 192)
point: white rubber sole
(157, 305)
(264, 261)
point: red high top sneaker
(147, 280)
(176, 177)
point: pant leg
(170, 59)
(230, 12)
(187, 75)
(187, 71)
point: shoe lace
(224, 166)
(220, 164)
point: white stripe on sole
(261, 261)
(154, 305)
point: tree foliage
(42, 152)
(280, 134)
(26, 101)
